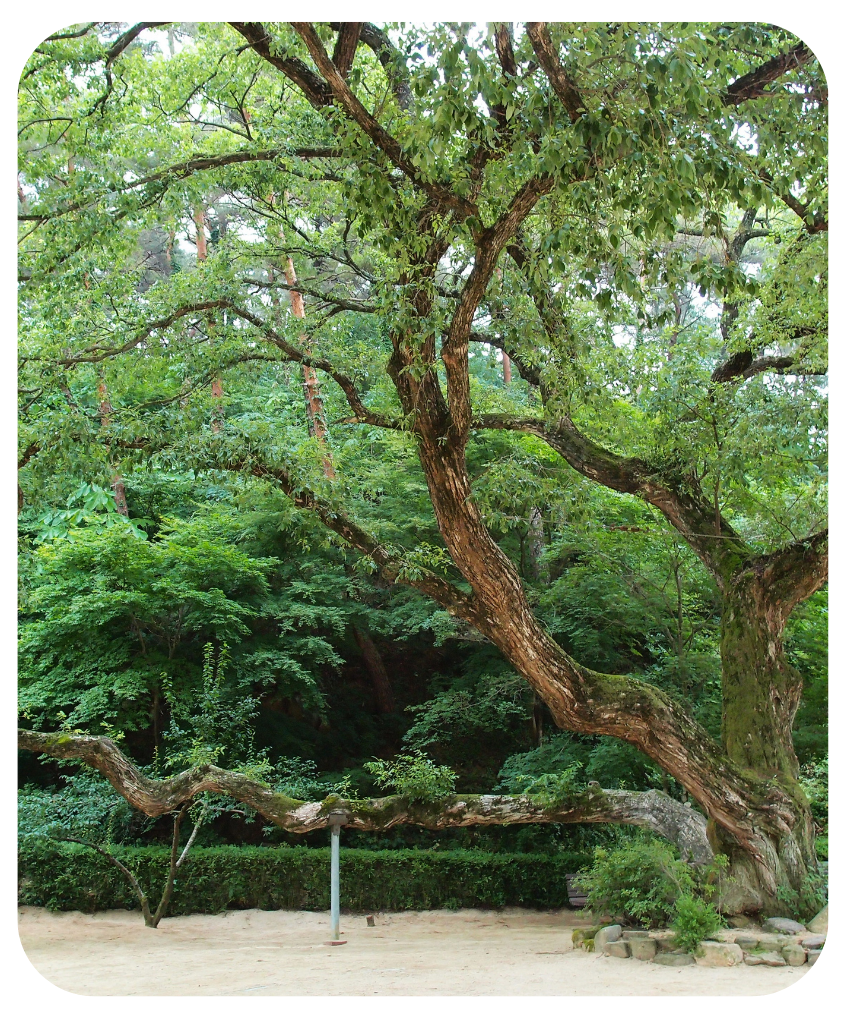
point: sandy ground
(512, 952)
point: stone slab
(764, 958)
(815, 941)
(779, 924)
(607, 935)
(819, 924)
(793, 954)
(644, 949)
(812, 956)
(676, 960)
(620, 949)
(746, 942)
(713, 954)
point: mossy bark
(761, 694)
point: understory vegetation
(420, 411)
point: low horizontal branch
(653, 809)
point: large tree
(633, 215)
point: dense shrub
(65, 877)
(640, 881)
(695, 920)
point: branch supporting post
(336, 821)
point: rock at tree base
(819, 924)
(816, 941)
(643, 948)
(747, 942)
(764, 958)
(781, 925)
(583, 937)
(739, 922)
(607, 935)
(713, 954)
(812, 956)
(793, 954)
(617, 949)
(675, 959)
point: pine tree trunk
(315, 412)
(118, 487)
(202, 254)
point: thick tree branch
(195, 164)
(653, 810)
(345, 46)
(388, 562)
(95, 354)
(792, 573)
(356, 111)
(363, 414)
(753, 84)
(488, 246)
(528, 372)
(318, 93)
(388, 56)
(745, 365)
(547, 55)
(813, 223)
(719, 547)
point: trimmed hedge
(65, 877)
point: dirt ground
(512, 952)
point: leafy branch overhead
(295, 264)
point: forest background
(216, 257)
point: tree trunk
(761, 694)
(376, 670)
(118, 487)
(202, 254)
(315, 412)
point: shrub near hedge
(65, 877)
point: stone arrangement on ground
(777, 942)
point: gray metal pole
(335, 881)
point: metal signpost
(336, 821)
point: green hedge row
(65, 877)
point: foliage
(814, 780)
(64, 877)
(413, 776)
(84, 806)
(148, 363)
(804, 902)
(642, 880)
(694, 920)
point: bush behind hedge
(65, 877)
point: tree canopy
(510, 339)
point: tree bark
(376, 670)
(315, 411)
(118, 487)
(652, 810)
(202, 255)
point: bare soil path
(512, 952)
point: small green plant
(694, 920)
(804, 904)
(641, 881)
(413, 776)
(549, 789)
